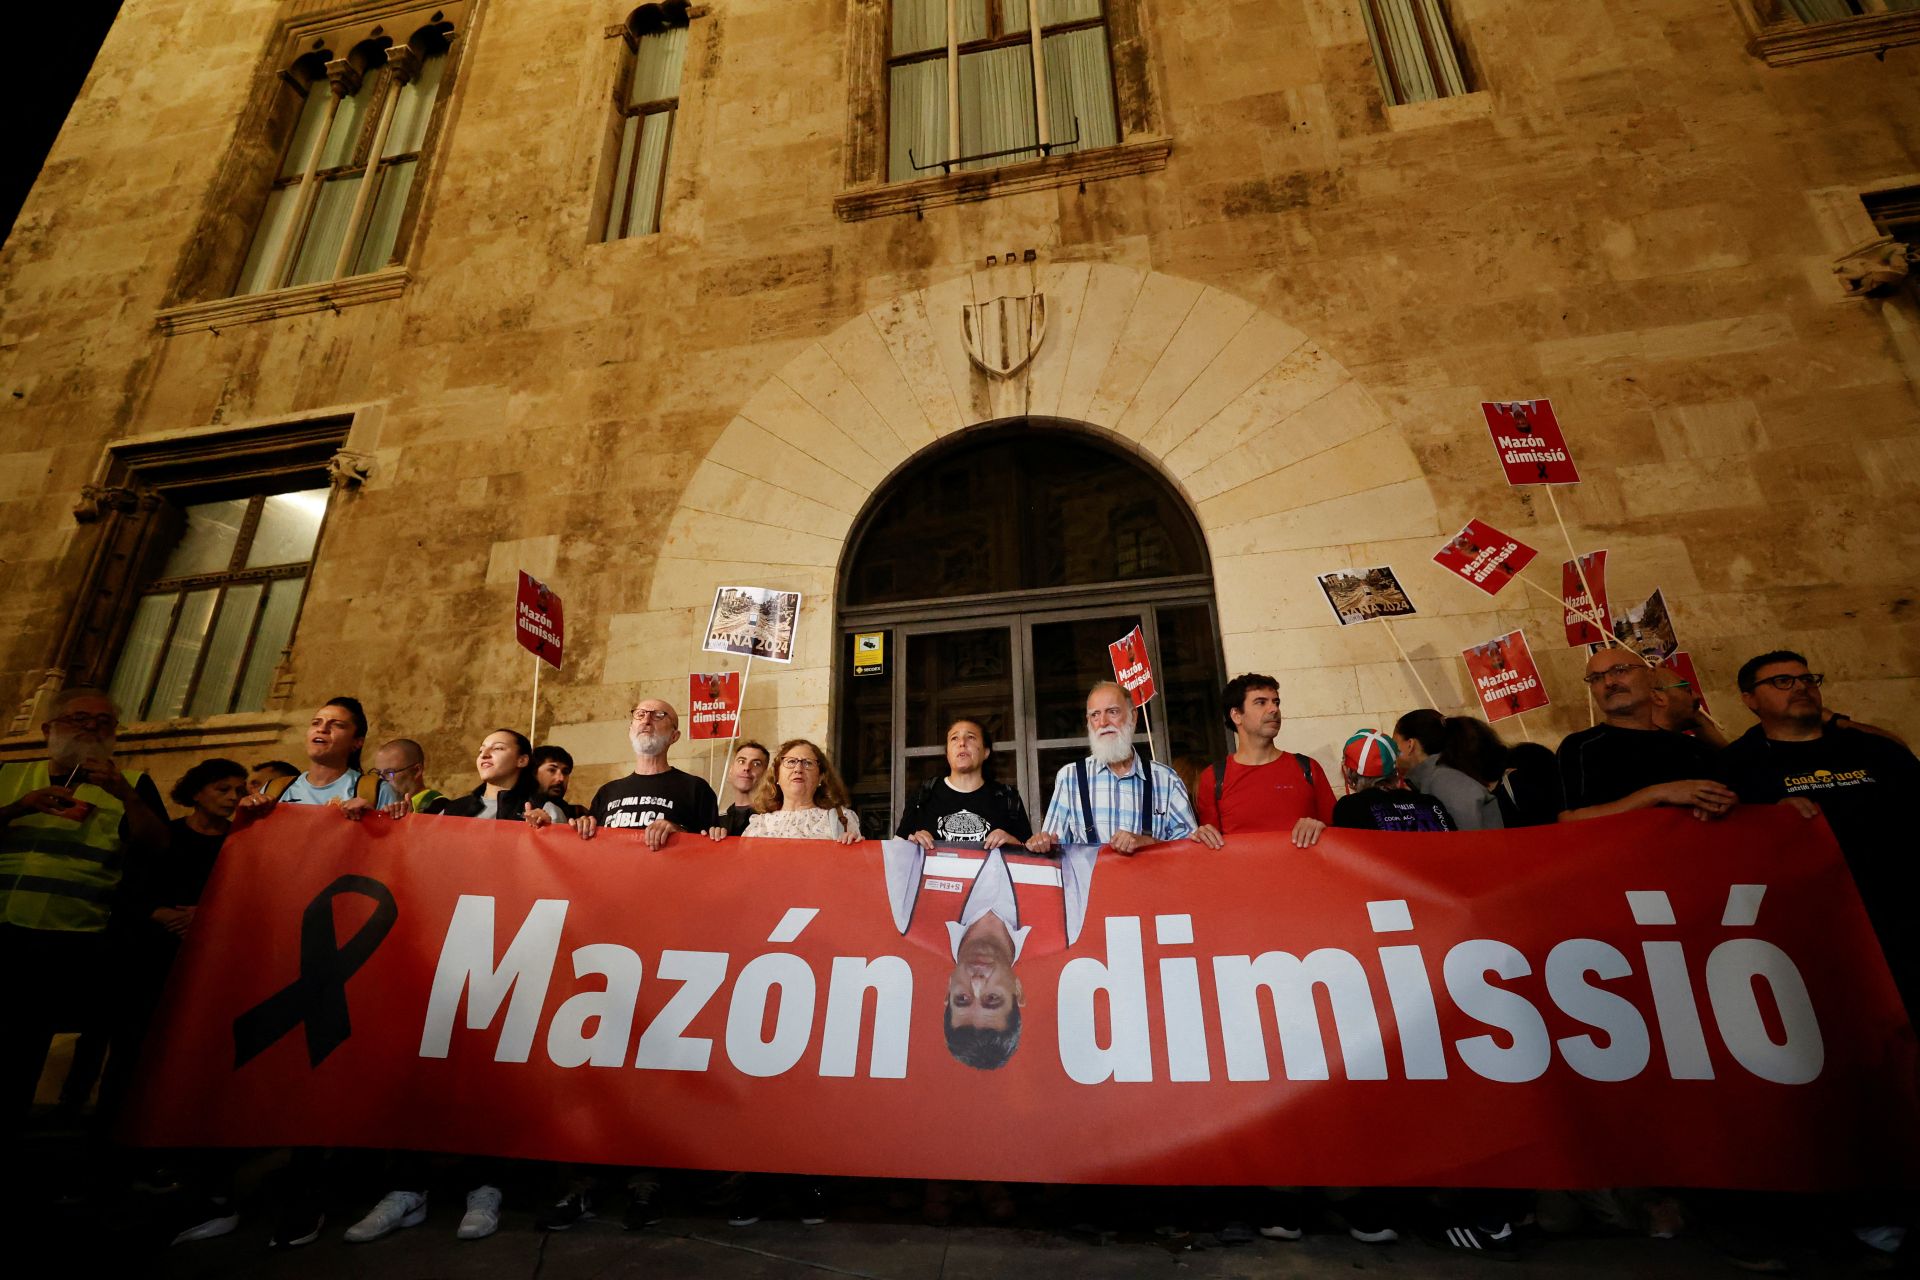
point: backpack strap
(277, 788)
(1219, 784)
(1306, 767)
(1092, 832)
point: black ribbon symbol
(318, 997)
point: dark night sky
(39, 87)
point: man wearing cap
(1260, 787)
(1375, 800)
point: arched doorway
(995, 569)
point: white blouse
(803, 824)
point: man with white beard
(1109, 798)
(656, 796)
(67, 825)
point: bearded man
(1111, 797)
(655, 797)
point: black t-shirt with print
(640, 799)
(1608, 763)
(1863, 784)
(1391, 809)
(965, 817)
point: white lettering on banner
(1130, 677)
(1590, 982)
(1529, 449)
(466, 968)
(1504, 683)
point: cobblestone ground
(61, 1221)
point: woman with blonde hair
(802, 798)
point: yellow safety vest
(59, 873)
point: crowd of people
(98, 888)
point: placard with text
(1130, 666)
(713, 701)
(1593, 566)
(1527, 436)
(1484, 556)
(1504, 676)
(539, 624)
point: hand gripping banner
(1639, 1001)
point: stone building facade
(1276, 292)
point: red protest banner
(1505, 676)
(1130, 666)
(1484, 556)
(1593, 565)
(713, 701)
(1643, 1000)
(538, 623)
(1527, 436)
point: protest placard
(713, 702)
(539, 624)
(1504, 676)
(1527, 436)
(1484, 556)
(758, 622)
(1581, 612)
(1364, 595)
(1647, 629)
(1130, 666)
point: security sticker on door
(870, 653)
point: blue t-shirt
(303, 791)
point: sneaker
(746, 1213)
(396, 1209)
(564, 1212)
(1886, 1239)
(1479, 1239)
(482, 1217)
(214, 1217)
(1371, 1234)
(1286, 1212)
(643, 1209)
(813, 1205)
(297, 1227)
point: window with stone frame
(358, 107)
(1785, 32)
(194, 579)
(1020, 90)
(1414, 50)
(648, 104)
(960, 100)
(208, 630)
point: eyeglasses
(388, 775)
(1787, 684)
(97, 723)
(638, 714)
(1623, 669)
(799, 762)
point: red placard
(1644, 1000)
(1505, 677)
(1527, 437)
(1484, 556)
(538, 623)
(1130, 666)
(1574, 596)
(713, 702)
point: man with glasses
(67, 825)
(1817, 763)
(655, 797)
(1110, 798)
(1677, 707)
(1627, 762)
(402, 768)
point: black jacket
(512, 803)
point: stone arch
(1288, 463)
